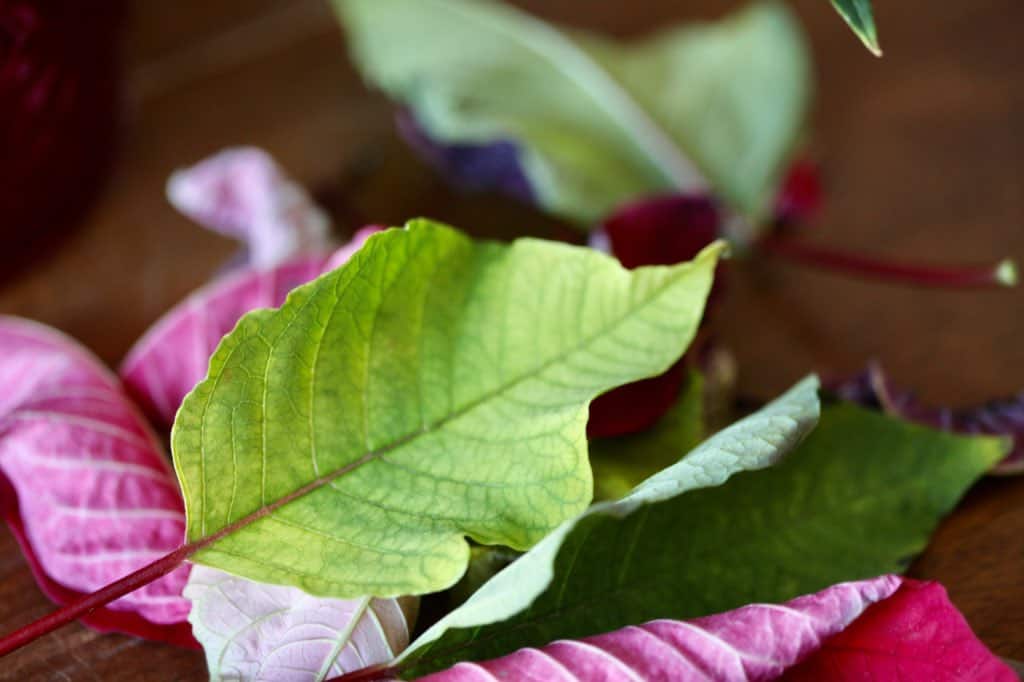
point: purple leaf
(486, 166)
(762, 642)
(1003, 417)
(172, 357)
(96, 496)
(242, 193)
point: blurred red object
(58, 106)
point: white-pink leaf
(757, 642)
(97, 497)
(254, 632)
(242, 193)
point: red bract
(800, 196)
(58, 86)
(662, 230)
(657, 231)
(916, 634)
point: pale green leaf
(610, 589)
(598, 122)
(432, 388)
(620, 463)
(858, 498)
(858, 15)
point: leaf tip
(1006, 273)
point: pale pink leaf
(97, 498)
(257, 632)
(242, 193)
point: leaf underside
(432, 388)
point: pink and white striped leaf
(756, 642)
(255, 632)
(95, 497)
(172, 357)
(243, 193)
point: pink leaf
(762, 642)
(97, 498)
(243, 193)
(173, 355)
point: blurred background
(920, 153)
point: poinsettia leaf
(432, 388)
(593, 123)
(894, 627)
(173, 355)
(859, 16)
(257, 632)
(620, 464)
(1003, 417)
(914, 634)
(242, 193)
(858, 498)
(605, 555)
(95, 496)
(755, 642)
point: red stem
(95, 600)
(1002, 274)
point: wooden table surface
(922, 154)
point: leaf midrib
(654, 142)
(321, 481)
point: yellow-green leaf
(432, 388)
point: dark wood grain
(922, 157)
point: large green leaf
(858, 15)
(598, 122)
(858, 498)
(620, 463)
(432, 388)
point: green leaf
(432, 388)
(857, 14)
(619, 464)
(612, 565)
(598, 123)
(858, 498)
